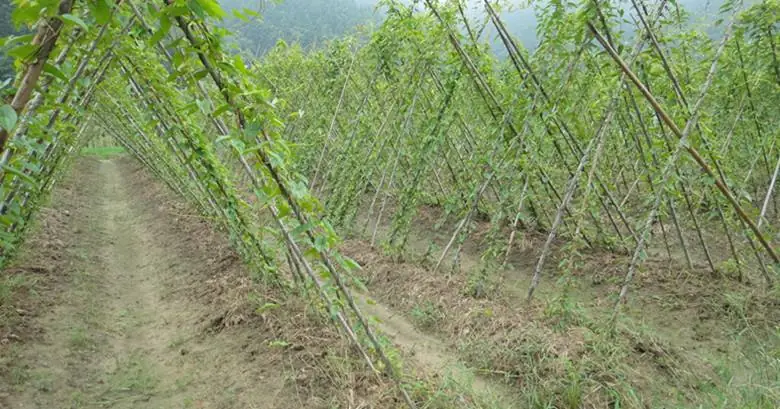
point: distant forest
(6, 28)
(308, 22)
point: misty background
(313, 22)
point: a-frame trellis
(581, 140)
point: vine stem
(719, 183)
(45, 38)
(302, 219)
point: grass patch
(103, 151)
(10, 284)
(79, 338)
(456, 389)
(427, 315)
(134, 375)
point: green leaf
(302, 228)
(212, 8)
(50, 69)
(189, 108)
(266, 307)
(23, 51)
(278, 343)
(350, 264)
(70, 18)
(221, 110)
(10, 40)
(7, 220)
(174, 75)
(284, 210)
(18, 173)
(239, 15)
(262, 92)
(176, 10)
(239, 64)
(101, 9)
(26, 15)
(200, 75)
(250, 12)
(7, 117)
(321, 244)
(237, 144)
(252, 129)
(222, 138)
(203, 106)
(298, 190)
(165, 26)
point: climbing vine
(659, 142)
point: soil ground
(684, 338)
(123, 298)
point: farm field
(396, 217)
(125, 298)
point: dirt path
(434, 357)
(122, 333)
(130, 314)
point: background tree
(6, 28)
(258, 25)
